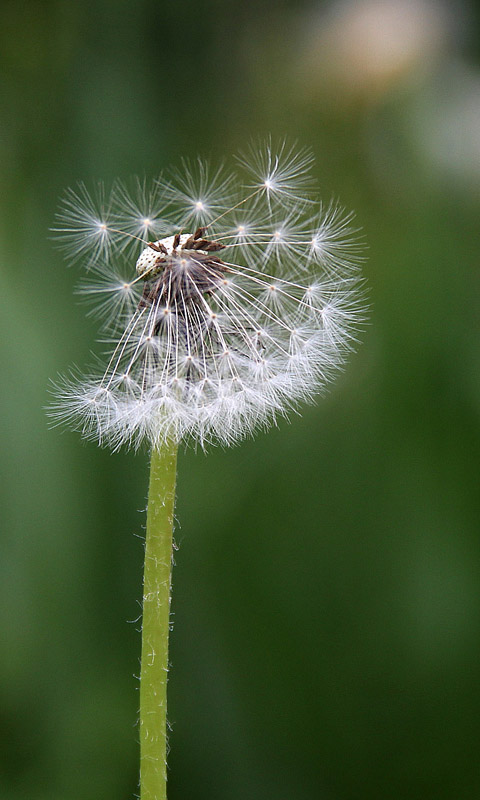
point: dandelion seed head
(216, 327)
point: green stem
(155, 624)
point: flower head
(228, 299)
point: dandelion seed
(282, 171)
(139, 208)
(203, 281)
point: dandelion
(228, 299)
(244, 306)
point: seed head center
(180, 269)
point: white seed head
(221, 329)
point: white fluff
(225, 339)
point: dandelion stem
(155, 623)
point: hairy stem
(155, 624)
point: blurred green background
(327, 586)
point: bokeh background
(327, 584)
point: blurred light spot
(362, 48)
(446, 124)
